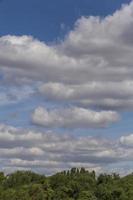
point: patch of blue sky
(113, 131)
(44, 19)
(18, 112)
(14, 94)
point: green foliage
(76, 184)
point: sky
(66, 85)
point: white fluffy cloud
(97, 49)
(92, 65)
(74, 117)
(127, 140)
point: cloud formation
(53, 152)
(91, 70)
(88, 34)
(107, 95)
(74, 117)
(92, 64)
(127, 140)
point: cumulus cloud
(73, 117)
(90, 90)
(92, 64)
(127, 140)
(97, 49)
(112, 95)
(42, 151)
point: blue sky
(44, 18)
(66, 84)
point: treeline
(75, 184)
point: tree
(86, 195)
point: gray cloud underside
(104, 95)
(47, 150)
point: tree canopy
(75, 184)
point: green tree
(86, 195)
